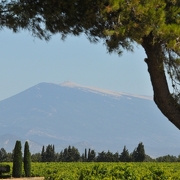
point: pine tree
(101, 157)
(83, 158)
(85, 154)
(17, 160)
(27, 160)
(3, 155)
(91, 155)
(124, 157)
(61, 156)
(138, 154)
(50, 153)
(43, 154)
(75, 155)
(134, 155)
(116, 157)
(65, 155)
(70, 154)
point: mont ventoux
(85, 117)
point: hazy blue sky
(26, 61)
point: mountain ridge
(100, 90)
(71, 114)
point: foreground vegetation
(106, 171)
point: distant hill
(86, 117)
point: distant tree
(27, 160)
(133, 155)
(75, 154)
(3, 155)
(61, 156)
(138, 154)
(65, 155)
(43, 154)
(124, 156)
(70, 154)
(9, 157)
(36, 157)
(50, 153)
(148, 159)
(83, 158)
(85, 154)
(101, 157)
(116, 157)
(107, 157)
(178, 158)
(53, 148)
(91, 155)
(167, 158)
(17, 160)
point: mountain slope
(70, 114)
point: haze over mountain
(86, 117)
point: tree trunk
(162, 96)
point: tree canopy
(17, 160)
(120, 24)
(27, 160)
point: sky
(26, 61)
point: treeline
(72, 154)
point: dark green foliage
(70, 154)
(43, 154)
(27, 160)
(85, 154)
(107, 157)
(91, 155)
(124, 157)
(138, 154)
(17, 160)
(3, 155)
(48, 155)
(4, 169)
(148, 159)
(167, 158)
(83, 158)
(101, 157)
(116, 157)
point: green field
(106, 171)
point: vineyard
(106, 171)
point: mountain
(86, 117)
